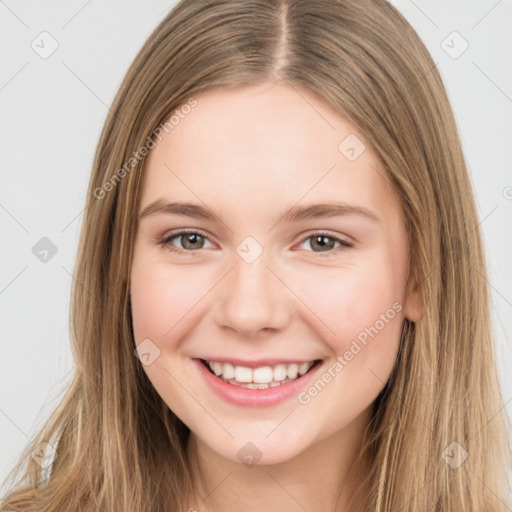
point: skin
(248, 154)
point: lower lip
(255, 397)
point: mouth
(262, 377)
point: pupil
(191, 238)
(320, 241)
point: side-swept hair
(120, 447)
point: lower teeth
(253, 385)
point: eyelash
(166, 241)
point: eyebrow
(293, 214)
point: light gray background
(52, 113)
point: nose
(252, 298)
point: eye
(325, 242)
(189, 238)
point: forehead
(264, 145)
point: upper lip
(257, 363)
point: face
(265, 285)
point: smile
(261, 377)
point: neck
(321, 477)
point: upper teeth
(260, 375)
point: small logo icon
(249, 249)
(351, 147)
(454, 45)
(147, 352)
(44, 45)
(44, 250)
(44, 454)
(454, 455)
(249, 454)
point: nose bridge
(251, 298)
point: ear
(414, 308)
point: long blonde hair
(120, 447)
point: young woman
(282, 301)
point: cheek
(164, 300)
(161, 298)
(362, 307)
(352, 299)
